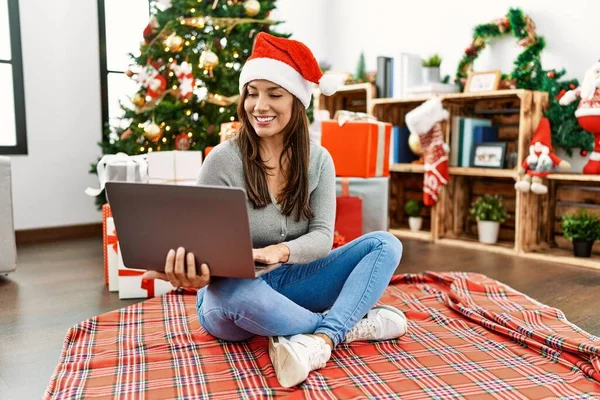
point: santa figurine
(540, 162)
(588, 112)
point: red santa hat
(543, 134)
(289, 64)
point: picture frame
(488, 155)
(486, 81)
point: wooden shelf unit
(357, 97)
(533, 228)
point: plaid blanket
(469, 337)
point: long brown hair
(294, 196)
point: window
(121, 24)
(13, 137)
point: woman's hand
(180, 274)
(272, 254)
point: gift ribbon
(380, 148)
(147, 284)
(119, 159)
(113, 241)
(345, 183)
(344, 116)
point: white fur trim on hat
(279, 73)
(421, 119)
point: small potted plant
(413, 210)
(489, 213)
(431, 69)
(583, 230)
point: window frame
(16, 62)
(104, 71)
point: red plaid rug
(469, 337)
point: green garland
(529, 74)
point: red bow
(113, 240)
(147, 284)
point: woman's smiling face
(268, 106)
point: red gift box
(358, 148)
(348, 214)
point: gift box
(228, 130)
(348, 213)
(110, 246)
(359, 148)
(132, 286)
(374, 194)
(174, 167)
(120, 167)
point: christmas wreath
(529, 74)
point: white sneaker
(381, 323)
(294, 357)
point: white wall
(388, 27)
(62, 95)
(62, 77)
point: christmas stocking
(424, 121)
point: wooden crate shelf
(357, 97)
(533, 228)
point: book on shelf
(430, 89)
(400, 152)
(465, 133)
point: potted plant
(489, 213)
(413, 210)
(431, 69)
(583, 230)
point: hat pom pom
(329, 84)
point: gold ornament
(152, 132)
(415, 144)
(138, 100)
(252, 7)
(174, 43)
(208, 61)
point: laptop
(209, 221)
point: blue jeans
(291, 299)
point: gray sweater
(308, 240)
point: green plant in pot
(583, 229)
(489, 213)
(431, 69)
(413, 210)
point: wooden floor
(60, 284)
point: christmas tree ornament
(126, 134)
(588, 112)
(583, 153)
(150, 29)
(425, 121)
(183, 141)
(415, 144)
(152, 131)
(208, 61)
(138, 100)
(252, 7)
(185, 77)
(164, 4)
(173, 43)
(152, 81)
(540, 162)
(551, 74)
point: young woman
(318, 298)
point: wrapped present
(228, 130)
(207, 150)
(132, 286)
(374, 194)
(358, 144)
(111, 252)
(174, 167)
(122, 168)
(348, 213)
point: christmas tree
(188, 72)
